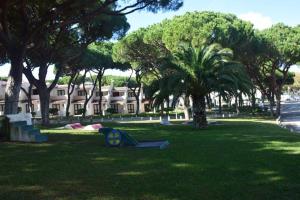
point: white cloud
(257, 19)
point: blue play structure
(20, 129)
(117, 138)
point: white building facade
(121, 99)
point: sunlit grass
(240, 159)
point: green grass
(242, 159)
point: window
(57, 106)
(27, 108)
(104, 93)
(130, 108)
(61, 92)
(147, 107)
(2, 107)
(116, 94)
(96, 109)
(77, 108)
(115, 107)
(81, 93)
(130, 94)
(35, 92)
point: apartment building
(121, 99)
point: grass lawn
(242, 159)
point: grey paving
(290, 115)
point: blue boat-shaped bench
(117, 138)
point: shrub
(110, 111)
(81, 111)
(53, 111)
(4, 128)
(33, 114)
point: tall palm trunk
(208, 100)
(186, 104)
(199, 117)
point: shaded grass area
(241, 159)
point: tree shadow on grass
(241, 160)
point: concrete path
(290, 115)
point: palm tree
(162, 89)
(205, 69)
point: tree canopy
(25, 25)
(197, 27)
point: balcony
(131, 98)
(104, 94)
(57, 98)
(79, 94)
(104, 98)
(117, 98)
(35, 97)
(78, 98)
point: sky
(262, 13)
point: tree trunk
(253, 100)
(87, 96)
(162, 109)
(168, 105)
(263, 99)
(41, 85)
(241, 101)
(71, 87)
(199, 117)
(68, 105)
(186, 107)
(208, 100)
(137, 98)
(278, 103)
(237, 105)
(84, 108)
(44, 95)
(272, 103)
(220, 104)
(28, 95)
(13, 85)
(100, 95)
